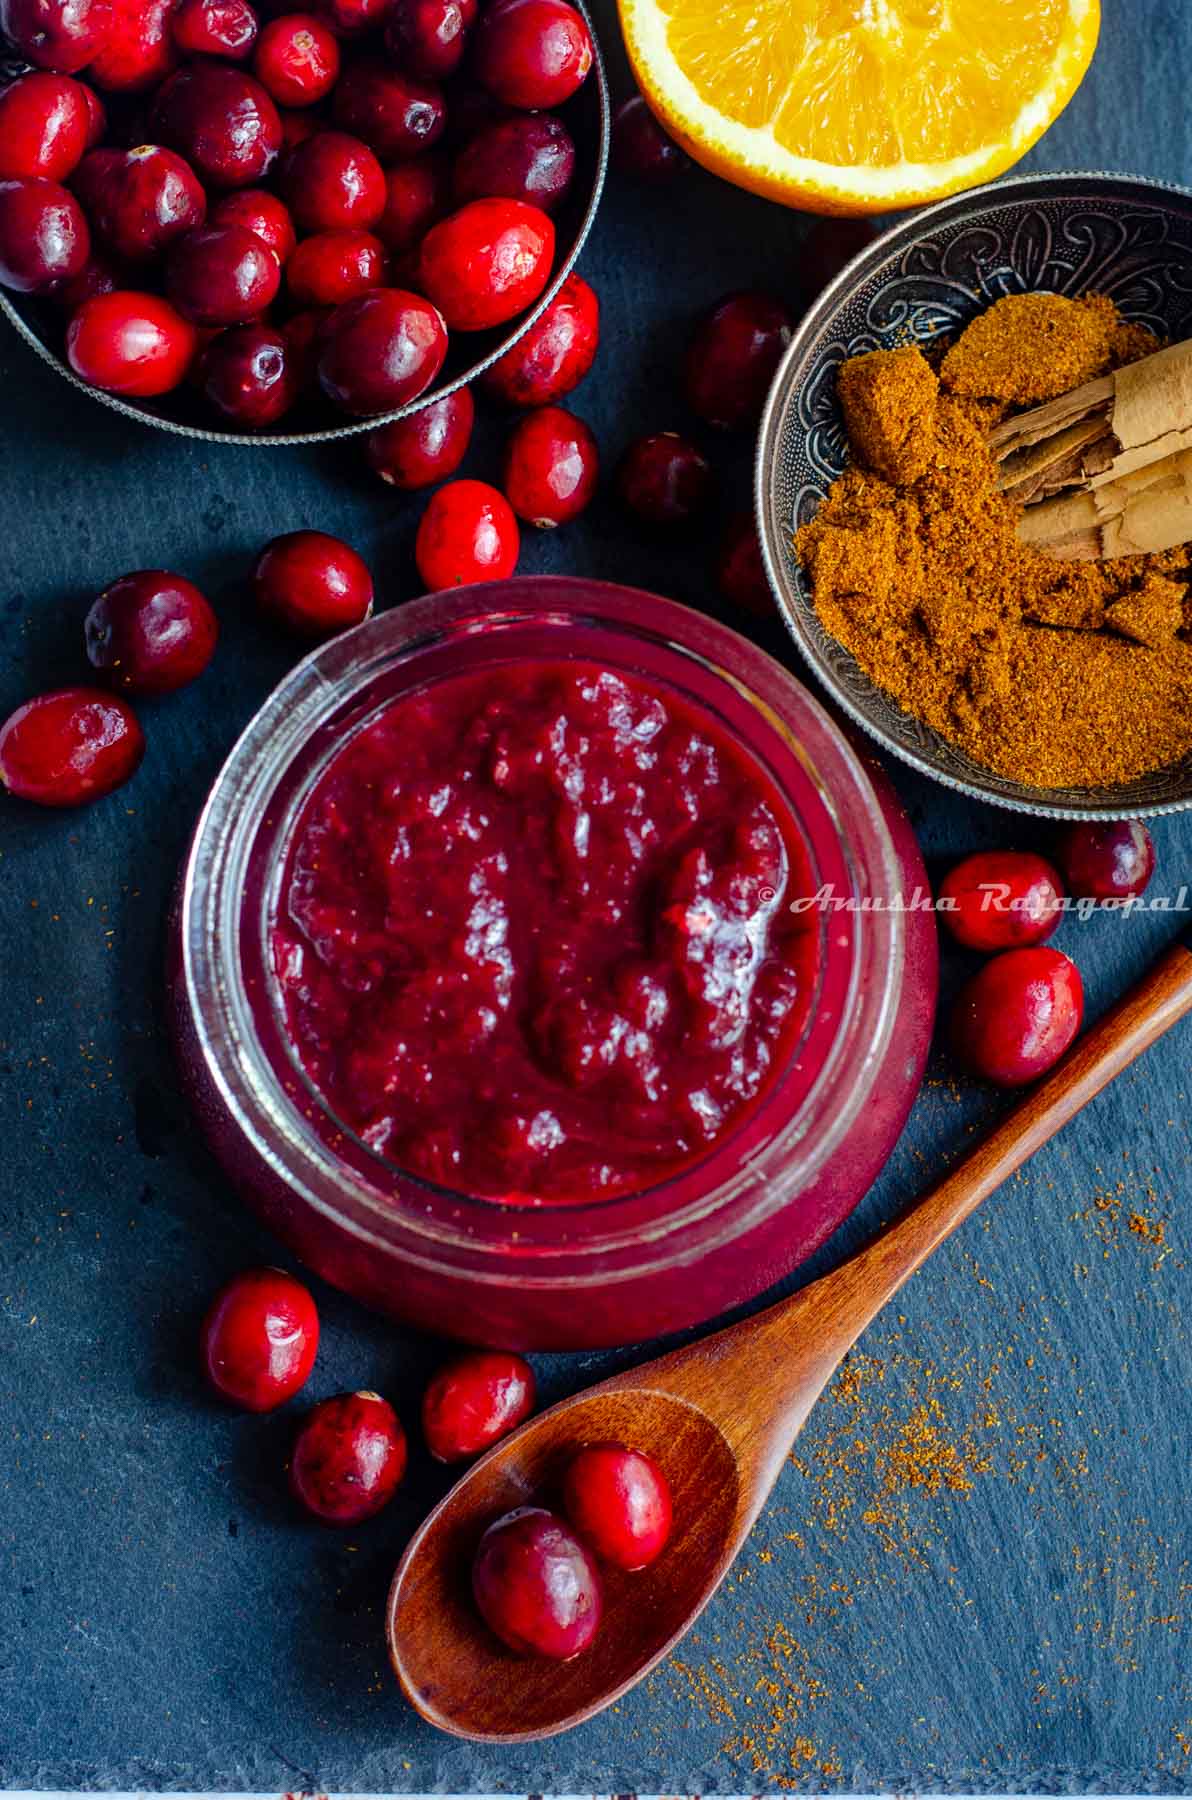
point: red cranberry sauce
(537, 942)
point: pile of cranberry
(534, 1579)
(280, 204)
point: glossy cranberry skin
(395, 115)
(245, 375)
(427, 37)
(44, 125)
(532, 53)
(151, 632)
(642, 150)
(63, 35)
(554, 355)
(1001, 899)
(474, 1400)
(830, 246)
(263, 214)
(552, 465)
(333, 182)
(69, 747)
(732, 358)
(1015, 1018)
(139, 50)
(222, 275)
(1113, 860)
(467, 533)
(417, 195)
(351, 18)
(259, 1340)
(619, 1502)
(226, 28)
(222, 121)
(740, 571)
(44, 240)
(297, 59)
(348, 1459)
(140, 201)
(487, 262)
(129, 343)
(312, 583)
(97, 116)
(381, 351)
(528, 157)
(664, 479)
(426, 446)
(334, 266)
(536, 1586)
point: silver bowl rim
(354, 427)
(904, 234)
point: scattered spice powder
(1054, 673)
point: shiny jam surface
(535, 939)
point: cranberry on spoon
(619, 1502)
(536, 1586)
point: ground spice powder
(1052, 673)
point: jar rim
(436, 1224)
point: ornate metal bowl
(1073, 234)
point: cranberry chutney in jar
(499, 981)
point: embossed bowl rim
(790, 589)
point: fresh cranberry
(334, 266)
(245, 375)
(536, 1586)
(44, 239)
(69, 747)
(99, 275)
(348, 1459)
(312, 583)
(259, 1339)
(140, 201)
(740, 571)
(297, 59)
(487, 262)
(263, 214)
(642, 150)
(302, 333)
(1113, 860)
(139, 50)
(131, 344)
(829, 246)
(473, 1401)
(417, 194)
(427, 37)
(63, 35)
(664, 479)
(351, 18)
(225, 28)
(381, 351)
(97, 116)
(222, 121)
(44, 123)
(619, 1502)
(222, 275)
(551, 467)
(425, 446)
(732, 358)
(392, 113)
(528, 157)
(1018, 1015)
(1001, 899)
(333, 182)
(532, 53)
(554, 355)
(151, 632)
(467, 533)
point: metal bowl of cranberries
(256, 224)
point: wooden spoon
(719, 1417)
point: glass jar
(565, 1276)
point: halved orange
(855, 106)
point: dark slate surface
(1018, 1621)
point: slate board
(165, 1621)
